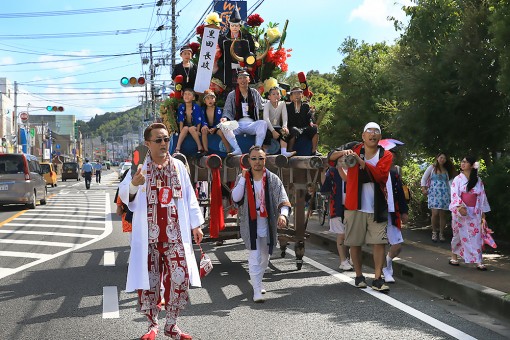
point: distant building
(7, 119)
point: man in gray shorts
(366, 208)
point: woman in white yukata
(468, 206)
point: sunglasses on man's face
(159, 140)
(258, 158)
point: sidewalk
(425, 264)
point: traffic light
(133, 81)
(55, 108)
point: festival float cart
(216, 173)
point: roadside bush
(411, 176)
(497, 187)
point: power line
(76, 55)
(71, 35)
(74, 12)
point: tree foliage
(447, 71)
(365, 87)
(112, 125)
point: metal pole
(174, 34)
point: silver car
(21, 180)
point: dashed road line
(109, 258)
(38, 243)
(61, 226)
(110, 303)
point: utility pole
(15, 117)
(153, 75)
(174, 34)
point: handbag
(206, 265)
(486, 235)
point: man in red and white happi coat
(165, 216)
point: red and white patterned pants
(167, 266)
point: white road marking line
(24, 254)
(42, 214)
(109, 258)
(6, 271)
(458, 334)
(56, 220)
(50, 226)
(110, 303)
(108, 229)
(58, 208)
(40, 243)
(48, 233)
(74, 205)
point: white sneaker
(236, 152)
(257, 296)
(345, 265)
(388, 275)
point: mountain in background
(113, 124)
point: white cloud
(65, 66)
(6, 61)
(376, 12)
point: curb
(484, 299)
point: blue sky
(82, 72)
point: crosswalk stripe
(41, 258)
(39, 214)
(57, 220)
(39, 243)
(110, 302)
(51, 226)
(78, 209)
(24, 254)
(47, 233)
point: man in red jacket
(366, 208)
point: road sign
(57, 146)
(24, 117)
(32, 132)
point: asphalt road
(75, 289)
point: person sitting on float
(243, 105)
(227, 66)
(190, 120)
(212, 116)
(275, 115)
(301, 122)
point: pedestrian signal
(133, 81)
(55, 108)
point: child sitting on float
(211, 118)
(275, 115)
(190, 120)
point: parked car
(70, 170)
(21, 180)
(125, 166)
(49, 174)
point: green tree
(365, 88)
(447, 71)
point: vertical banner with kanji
(206, 59)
